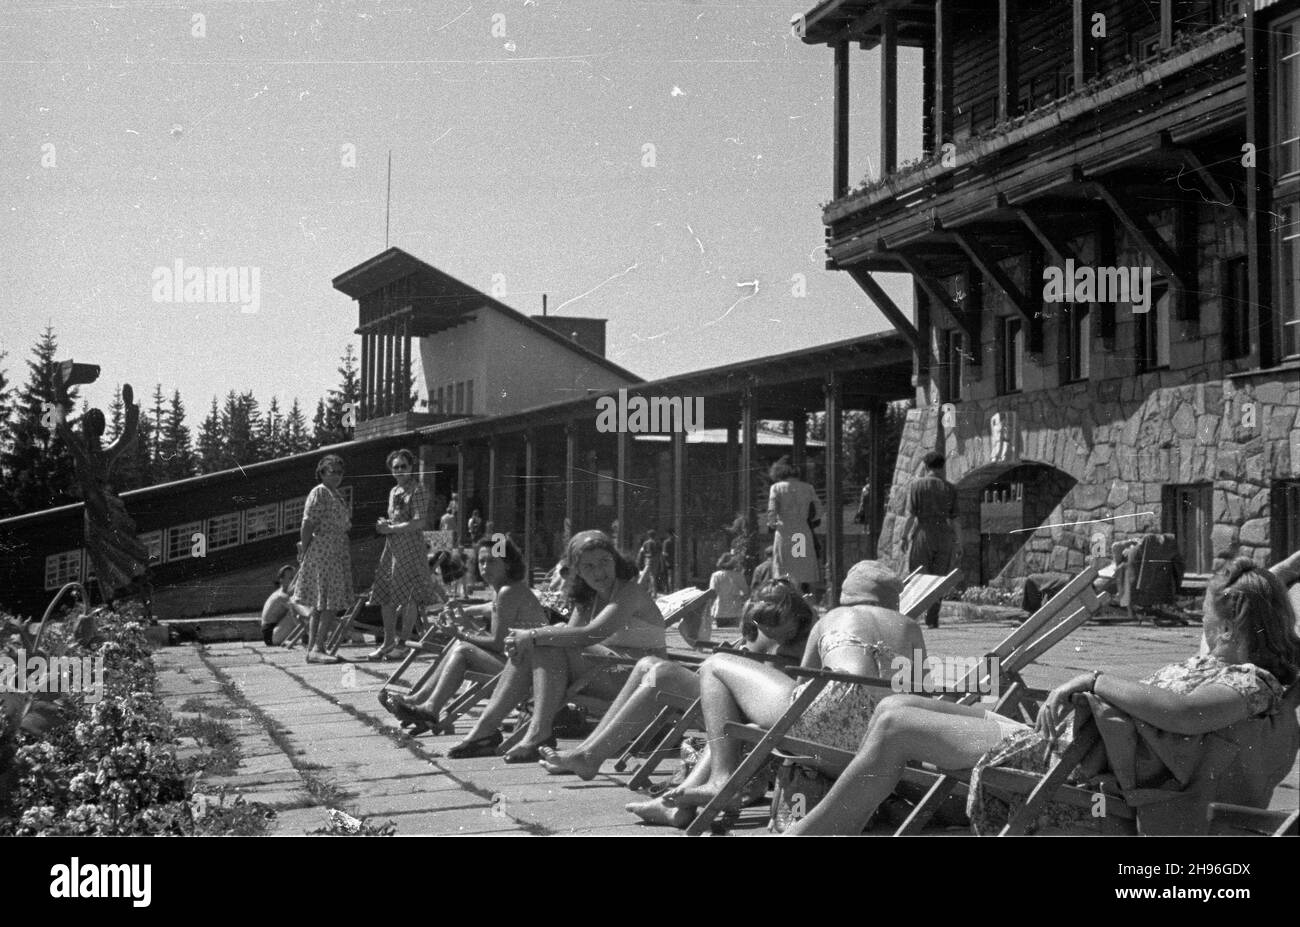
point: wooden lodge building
(1158, 135)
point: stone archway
(1001, 505)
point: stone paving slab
(326, 726)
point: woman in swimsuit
(861, 637)
(612, 616)
(513, 606)
(1254, 652)
(776, 622)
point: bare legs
(509, 692)
(732, 689)
(460, 659)
(904, 728)
(632, 710)
(319, 626)
(657, 811)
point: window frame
(1161, 295)
(229, 539)
(1011, 355)
(1172, 519)
(189, 529)
(288, 523)
(255, 512)
(64, 559)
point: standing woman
(324, 582)
(402, 578)
(794, 554)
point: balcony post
(1008, 65)
(888, 95)
(1259, 254)
(841, 121)
(1167, 24)
(943, 127)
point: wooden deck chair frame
(920, 591)
(1056, 619)
(1241, 820)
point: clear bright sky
(518, 154)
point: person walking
(932, 530)
(791, 505)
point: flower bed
(106, 765)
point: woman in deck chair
(501, 566)
(776, 621)
(1254, 652)
(862, 637)
(612, 616)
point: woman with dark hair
(513, 606)
(1254, 654)
(862, 637)
(777, 622)
(324, 582)
(790, 506)
(402, 579)
(612, 616)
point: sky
(134, 135)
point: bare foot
(561, 762)
(690, 797)
(656, 812)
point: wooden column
(530, 500)
(393, 363)
(730, 459)
(620, 491)
(800, 429)
(875, 473)
(365, 372)
(406, 380)
(943, 127)
(570, 463)
(679, 509)
(840, 149)
(1080, 27)
(462, 503)
(834, 533)
(1167, 23)
(493, 474)
(922, 357)
(888, 95)
(748, 440)
(1259, 194)
(1008, 70)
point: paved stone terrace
(315, 736)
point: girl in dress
(402, 580)
(324, 582)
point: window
(1188, 516)
(152, 541)
(1286, 514)
(460, 397)
(605, 487)
(63, 568)
(469, 397)
(1145, 47)
(1012, 355)
(955, 346)
(1078, 335)
(1288, 273)
(291, 523)
(223, 531)
(180, 539)
(1286, 132)
(1153, 329)
(261, 522)
(1234, 302)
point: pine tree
(250, 413)
(332, 429)
(135, 469)
(176, 459)
(37, 466)
(154, 450)
(211, 442)
(320, 432)
(271, 432)
(6, 409)
(296, 439)
(116, 411)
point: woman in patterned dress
(1254, 654)
(324, 582)
(791, 502)
(402, 579)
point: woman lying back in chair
(1254, 653)
(612, 616)
(775, 622)
(513, 606)
(861, 637)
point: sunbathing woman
(1254, 652)
(776, 622)
(612, 616)
(863, 637)
(513, 606)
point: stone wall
(1123, 441)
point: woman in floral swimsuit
(861, 637)
(1254, 653)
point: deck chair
(920, 591)
(1059, 617)
(337, 633)
(1239, 821)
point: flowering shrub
(104, 768)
